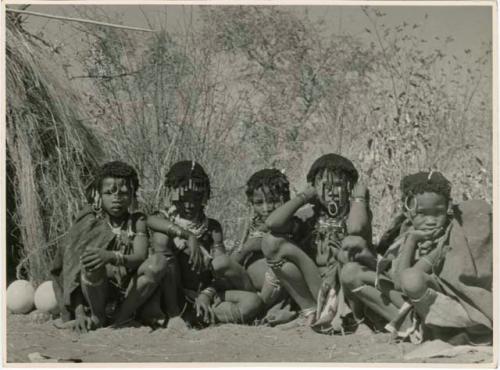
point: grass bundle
(50, 154)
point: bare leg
(169, 279)
(231, 274)
(170, 287)
(142, 286)
(293, 281)
(279, 249)
(256, 271)
(358, 282)
(415, 282)
(95, 290)
(150, 313)
(272, 290)
(238, 307)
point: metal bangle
(209, 292)
(120, 259)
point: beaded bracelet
(209, 292)
(358, 199)
(120, 259)
(177, 231)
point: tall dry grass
(51, 153)
(251, 87)
(242, 88)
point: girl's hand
(195, 255)
(418, 236)
(425, 247)
(95, 258)
(359, 191)
(310, 193)
(353, 245)
(204, 309)
(343, 256)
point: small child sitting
(246, 268)
(422, 264)
(338, 231)
(101, 265)
(189, 241)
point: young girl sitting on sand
(246, 268)
(338, 231)
(436, 264)
(189, 241)
(99, 270)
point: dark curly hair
(333, 162)
(115, 169)
(180, 173)
(422, 182)
(272, 178)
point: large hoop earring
(133, 200)
(97, 205)
(450, 211)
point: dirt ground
(225, 343)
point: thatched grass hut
(50, 154)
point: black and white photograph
(250, 183)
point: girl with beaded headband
(338, 231)
(190, 241)
(422, 287)
(102, 272)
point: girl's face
(428, 211)
(190, 204)
(332, 188)
(264, 202)
(116, 196)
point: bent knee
(94, 276)
(250, 306)
(271, 246)
(155, 267)
(413, 282)
(221, 264)
(350, 275)
(354, 241)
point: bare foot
(310, 319)
(96, 323)
(305, 321)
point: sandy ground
(225, 343)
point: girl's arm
(359, 219)
(94, 258)
(277, 222)
(218, 238)
(406, 258)
(140, 245)
(162, 225)
(426, 263)
(251, 245)
(409, 248)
